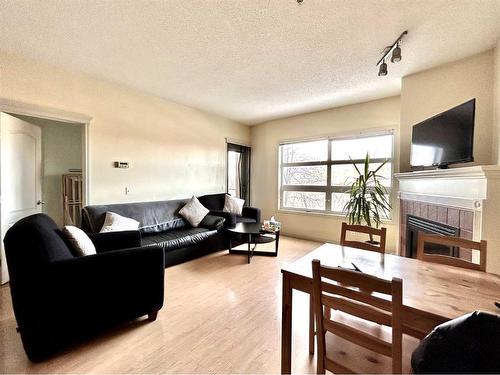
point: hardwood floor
(220, 315)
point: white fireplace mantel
(460, 187)
(475, 188)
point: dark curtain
(243, 169)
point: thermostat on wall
(121, 164)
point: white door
(20, 175)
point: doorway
(238, 171)
(36, 156)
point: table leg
(312, 330)
(286, 327)
(277, 240)
(249, 245)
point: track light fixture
(395, 48)
(382, 69)
(396, 54)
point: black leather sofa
(60, 299)
(161, 224)
(469, 344)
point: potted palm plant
(368, 202)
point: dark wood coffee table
(253, 235)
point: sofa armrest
(230, 218)
(212, 222)
(115, 285)
(252, 212)
(115, 240)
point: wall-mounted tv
(444, 139)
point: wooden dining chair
(380, 248)
(438, 239)
(346, 291)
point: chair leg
(152, 315)
(311, 325)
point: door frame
(226, 165)
(33, 110)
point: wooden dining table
(432, 293)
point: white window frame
(329, 188)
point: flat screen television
(444, 139)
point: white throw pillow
(193, 211)
(233, 205)
(117, 223)
(79, 242)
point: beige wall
(379, 114)
(496, 105)
(173, 150)
(433, 91)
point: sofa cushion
(214, 202)
(154, 217)
(175, 239)
(212, 222)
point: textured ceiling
(250, 61)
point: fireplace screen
(416, 224)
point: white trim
(237, 142)
(332, 214)
(479, 171)
(34, 110)
(366, 133)
(453, 202)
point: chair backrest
(380, 248)
(352, 292)
(452, 242)
(31, 245)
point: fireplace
(416, 224)
(465, 199)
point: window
(238, 171)
(315, 175)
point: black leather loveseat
(60, 299)
(161, 224)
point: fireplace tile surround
(466, 198)
(460, 219)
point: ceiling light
(383, 69)
(395, 48)
(396, 54)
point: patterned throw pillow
(194, 212)
(80, 243)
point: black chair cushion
(469, 344)
(176, 239)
